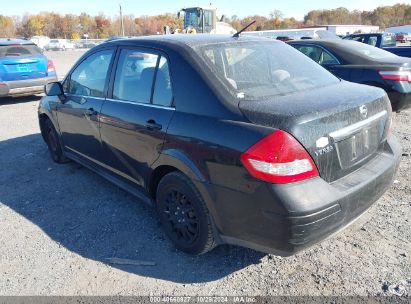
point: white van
(60, 45)
(40, 41)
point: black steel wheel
(53, 143)
(184, 214)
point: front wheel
(53, 143)
(184, 215)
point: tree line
(101, 26)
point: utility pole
(121, 20)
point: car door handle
(90, 112)
(152, 125)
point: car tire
(184, 215)
(53, 143)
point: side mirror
(54, 89)
(178, 15)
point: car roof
(12, 41)
(189, 40)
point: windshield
(192, 18)
(260, 69)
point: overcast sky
(241, 8)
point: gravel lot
(63, 61)
(60, 224)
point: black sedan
(234, 140)
(362, 63)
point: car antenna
(236, 35)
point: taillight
(396, 75)
(280, 159)
(50, 67)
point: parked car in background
(386, 41)
(85, 44)
(234, 140)
(403, 37)
(380, 40)
(60, 45)
(361, 63)
(23, 68)
(40, 41)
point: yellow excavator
(202, 20)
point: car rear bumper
(24, 87)
(400, 101)
(283, 219)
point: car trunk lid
(342, 126)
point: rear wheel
(53, 143)
(184, 215)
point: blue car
(24, 70)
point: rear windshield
(19, 50)
(256, 70)
(368, 51)
(54, 41)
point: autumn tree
(274, 22)
(32, 26)
(235, 22)
(384, 16)
(7, 28)
(259, 24)
(87, 25)
(53, 25)
(72, 26)
(103, 26)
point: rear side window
(162, 95)
(134, 76)
(317, 54)
(89, 78)
(19, 50)
(388, 40)
(142, 77)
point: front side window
(262, 69)
(372, 40)
(89, 78)
(135, 76)
(192, 18)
